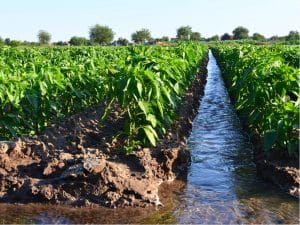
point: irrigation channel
(221, 185)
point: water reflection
(222, 185)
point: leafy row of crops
(40, 85)
(264, 83)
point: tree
(77, 41)
(214, 38)
(184, 33)
(165, 38)
(60, 43)
(258, 37)
(44, 37)
(141, 36)
(1, 41)
(274, 38)
(7, 41)
(195, 36)
(15, 43)
(225, 37)
(293, 36)
(122, 41)
(101, 35)
(240, 33)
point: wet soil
(41, 213)
(75, 162)
(277, 167)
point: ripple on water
(222, 186)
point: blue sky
(22, 19)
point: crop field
(264, 83)
(145, 98)
(149, 112)
(41, 85)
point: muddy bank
(277, 167)
(39, 213)
(75, 161)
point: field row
(264, 84)
(41, 85)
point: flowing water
(221, 185)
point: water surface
(222, 186)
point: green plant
(40, 85)
(265, 86)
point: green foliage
(141, 36)
(40, 85)
(44, 37)
(78, 41)
(7, 41)
(226, 37)
(294, 37)
(240, 33)
(165, 38)
(122, 41)
(214, 38)
(195, 36)
(101, 35)
(184, 33)
(258, 37)
(149, 88)
(265, 87)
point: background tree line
(104, 35)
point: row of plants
(40, 85)
(264, 84)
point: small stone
(61, 165)
(65, 156)
(78, 156)
(3, 172)
(6, 145)
(47, 191)
(94, 165)
(3, 148)
(28, 151)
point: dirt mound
(76, 162)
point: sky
(22, 19)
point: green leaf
(43, 87)
(10, 97)
(167, 94)
(139, 87)
(270, 138)
(152, 119)
(127, 84)
(33, 101)
(176, 88)
(144, 107)
(151, 134)
(293, 148)
(160, 107)
(112, 71)
(107, 111)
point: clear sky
(22, 19)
